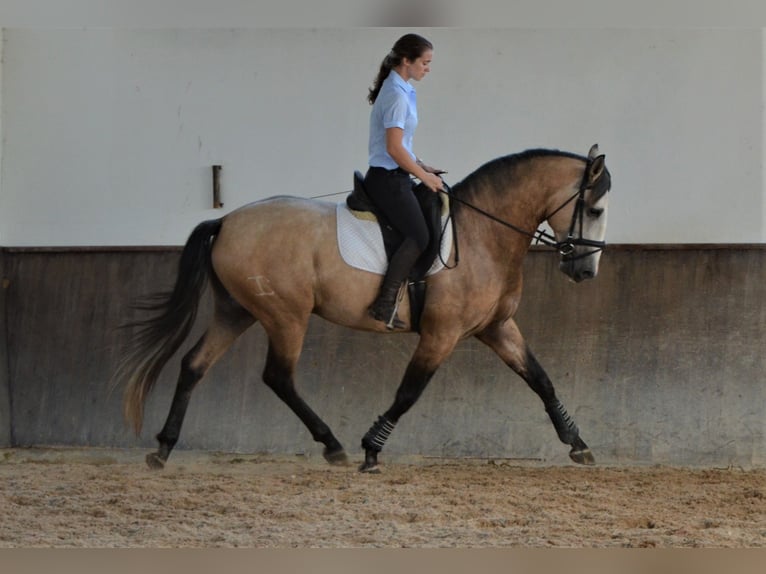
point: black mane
(507, 164)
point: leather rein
(567, 246)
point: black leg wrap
(378, 434)
(563, 423)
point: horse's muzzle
(579, 269)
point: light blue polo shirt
(395, 107)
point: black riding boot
(384, 307)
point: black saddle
(431, 205)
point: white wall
(110, 133)
(2, 110)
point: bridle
(566, 247)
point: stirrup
(395, 323)
(390, 318)
(392, 322)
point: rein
(567, 246)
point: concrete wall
(110, 133)
(5, 383)
(660, 360)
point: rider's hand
(429, 169)
(433, 182)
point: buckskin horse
(261, 270)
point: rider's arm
(401, 156)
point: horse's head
(580, 224)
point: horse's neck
(503, 238)
(523, 199)
(520, 204)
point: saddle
(359, 202)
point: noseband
(566, 247)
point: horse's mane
(507, 166)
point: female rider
(393, 120)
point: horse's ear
(596, 169)
(593, 151)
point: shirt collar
(399, 81)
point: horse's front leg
(506, 340)
(430, 353)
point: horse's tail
(159, 336)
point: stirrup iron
(394, 322)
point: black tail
(160, 336)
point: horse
(276, 262)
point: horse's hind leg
(278, 374)
(506, 340)
(229, 322)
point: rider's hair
(410, 46)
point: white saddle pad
(361, 241)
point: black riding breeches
(391, 192)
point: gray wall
(660, 360)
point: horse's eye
(595, 211)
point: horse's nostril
(583, 274)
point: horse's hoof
(154, 461)
(582, 456)
(336, 458)
(369, 468)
